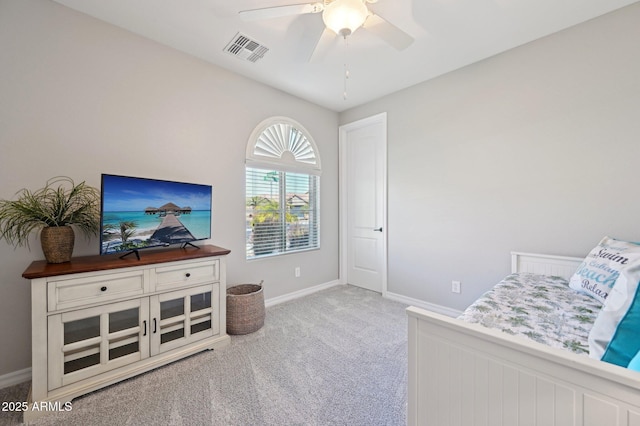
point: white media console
(98, 320)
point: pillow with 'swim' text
(599, 271)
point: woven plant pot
(57, 243)
(245, 308)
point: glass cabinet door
(90, 341)
(183, 316)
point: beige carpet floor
(336, 357)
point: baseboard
(20, 376)
(15, 378)
(424, 305)
(300, 293)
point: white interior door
(363, 155)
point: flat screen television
(140, 213)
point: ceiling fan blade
(388, 32)
(312, 39)
(306, 32)
(324, 43)
(279, 11)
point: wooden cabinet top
(41, 269)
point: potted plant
(52, 210)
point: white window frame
(282, 145)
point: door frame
(343, 130)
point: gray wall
(79, 98)
(532, 150)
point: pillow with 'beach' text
(599, 271)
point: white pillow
(599, 271)
(615, 335)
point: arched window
(282, 189)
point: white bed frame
(468, 375)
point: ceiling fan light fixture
(345, 16)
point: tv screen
(140, 213)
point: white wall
(79, 97)
(532, 150)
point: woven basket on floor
(245, 308)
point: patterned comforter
(540, 307)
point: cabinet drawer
(170, 277)
(83, 291)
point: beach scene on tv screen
(139, 213)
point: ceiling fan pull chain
(346, 77)
(346, 68)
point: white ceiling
(449, 34)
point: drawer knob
(187, 275)
(103, 288)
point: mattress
(540, 307)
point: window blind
(282, 212)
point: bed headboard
(546, 264)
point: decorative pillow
(599, 271)
(615, 335)
(635, 363)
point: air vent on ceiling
(243, 47)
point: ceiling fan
(340, 17)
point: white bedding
(540, 307)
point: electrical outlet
(455, 286)
(297, 272)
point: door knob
(378, 229)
